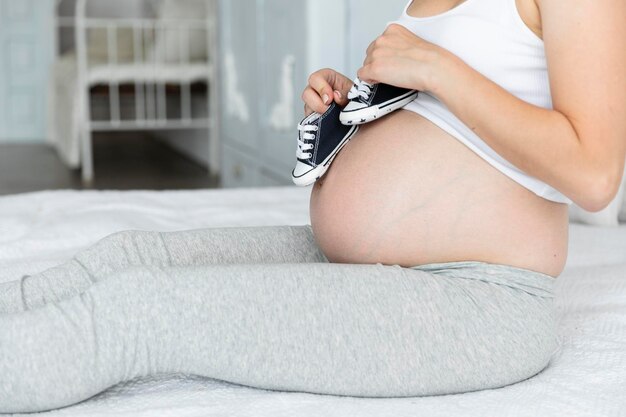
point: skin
(405, 192)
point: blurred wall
(26, 53)
(366, 20)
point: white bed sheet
(586, 378)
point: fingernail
(338, 94)
(325, 98)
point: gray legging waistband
(532, 282)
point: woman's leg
(361, 330)
(234, 245)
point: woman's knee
(124, 238)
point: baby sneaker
(320, 138)
(372, 101)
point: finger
(365, 73)
(340, 83)
(396, 28)
(368, 59)
(313, 100)
(370, 48)
(340, 98)
(319, 82)
(377, 54)
(307, 110)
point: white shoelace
(360, 89)
(308, 133)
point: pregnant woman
(435, 236)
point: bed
(151, 72)
(587, 377)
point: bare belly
(404, 192)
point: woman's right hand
(325, 86)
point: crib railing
(161, 56)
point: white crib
(159, 70)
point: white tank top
(491, 37)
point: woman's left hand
(399, 57)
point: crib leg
(86, 157)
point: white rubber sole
(316, 173)
(369, 114)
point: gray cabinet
(282, 69)
(238, 77)
(26, 55)
(268, 49)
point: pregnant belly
(405, 192)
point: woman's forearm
(541, 142)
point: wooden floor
(121, 162)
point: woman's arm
(579, 147)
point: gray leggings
(263, 307)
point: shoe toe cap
(301, 169)
(353, 106)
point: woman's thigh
(343, 329)
(224, 245)
(122, 250)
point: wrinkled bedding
(587, 377)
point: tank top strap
(515, 19)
